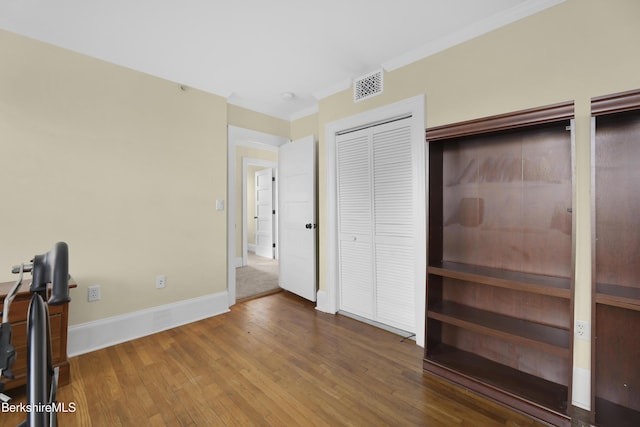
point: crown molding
(494, 22)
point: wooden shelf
(500, 267)
(619, 296)
(532, 283)
(480, 374)
(547, 338)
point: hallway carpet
(259, 277)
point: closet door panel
(393, 213)
(354, 189)
(393, 181)
(395, 289)
(356, 278)
(355, 224)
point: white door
(297, 223)
(264, 212)
(376, 223)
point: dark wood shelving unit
(500, 259)
(549, 338)
(615, 295)
(616, 252)
(500, 382)
(534, 283)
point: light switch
(219, 205)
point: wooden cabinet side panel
(618, 354)
(617, 200)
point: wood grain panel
(502, 122)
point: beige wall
(124, 167)
(248, 119)
(574, 51)
(305, 126)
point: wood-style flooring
(272, 361)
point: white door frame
(237, 136)
(246, 162)
(328, 297)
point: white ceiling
(251, 51)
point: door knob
(308, 226)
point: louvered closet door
(376, 224)
(394, 236)
(355, 224)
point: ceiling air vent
(367, 86)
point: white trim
(243, 137)
(416, 107)
(251, 138)
(491, 23)
(233, 134)
(91, 336)
(322, 302)
(581, 388)
(258, 145)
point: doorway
(258, 274)
(258, 278)
(245, 147)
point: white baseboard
(581, 388)
(239, 262)
(91, 336)
(251, 247)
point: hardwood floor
(272, 361)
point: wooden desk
(59, 320)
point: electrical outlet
(94, 293)
(161, 281)
(582, 330)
